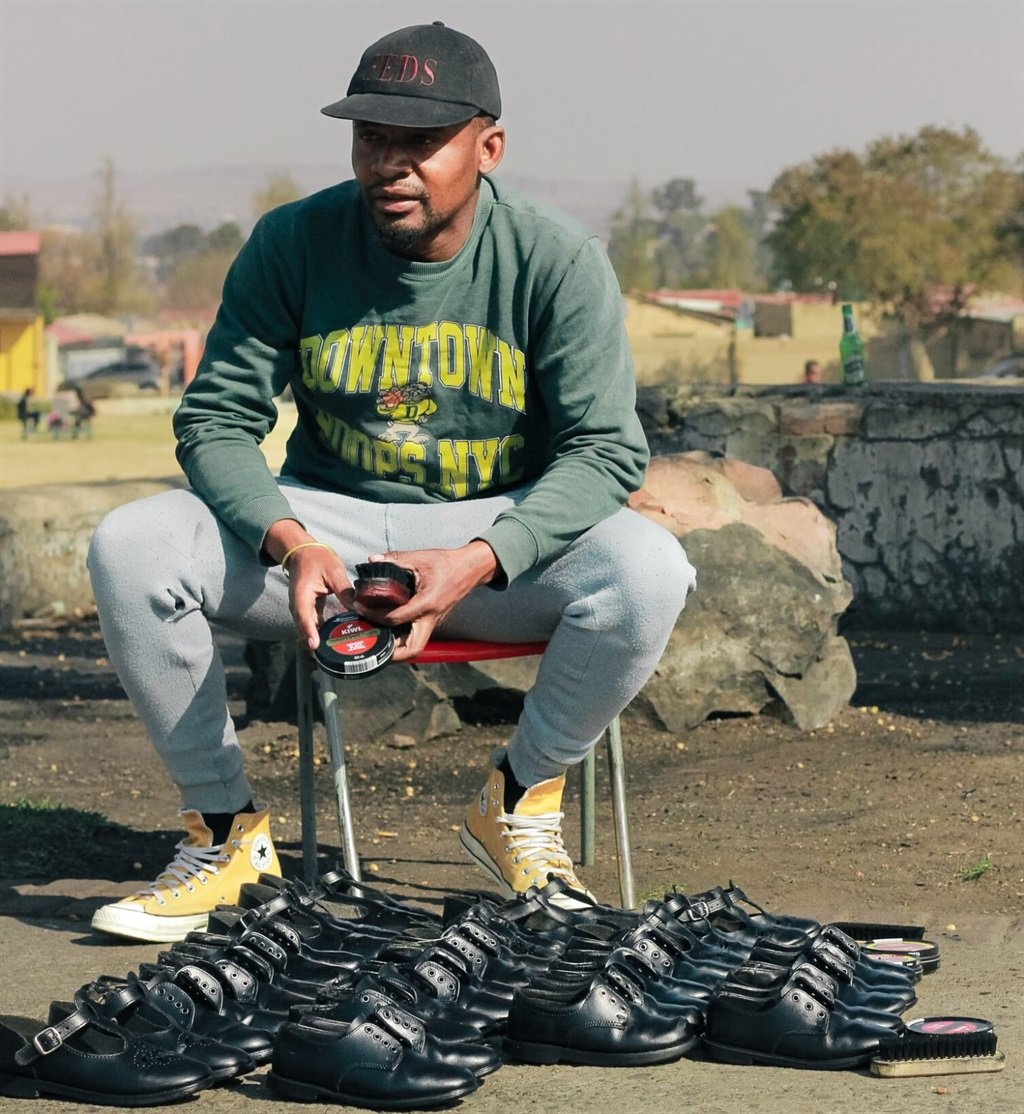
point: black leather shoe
(197, 1001)
(872, 1006)
(229, 989)
(127, 1009)
(795, 1026)
(448, 1041)
(376, 1064)
(609, 1022)
(82, 1057)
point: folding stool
(309, 676)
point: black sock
(513, 790)
(220, 822)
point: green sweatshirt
(420, 382)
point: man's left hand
(443, 578)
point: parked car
(141, 370)
(1012, 367)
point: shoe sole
(310, 1092)
(26, 1087)
(147, 927)
(478, 853)
(530, 1052)
(728, 1054)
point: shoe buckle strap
(277, 904)
(698, 911)
(51, 1038)
(120, 1000)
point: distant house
(22, 353)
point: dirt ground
(916, 785)
(908, 807)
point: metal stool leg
(332, 721)
(617, 769)
(588, 775)
(307, 794)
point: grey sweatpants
(164, 570)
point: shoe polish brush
(939, 1046)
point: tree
(730, 249)
(117, 287)
(279, 188)
(914, 223)
(633, 242)
(15, 214)
(226, 237)
(682, 233)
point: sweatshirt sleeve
(228, 409)
(581, 358)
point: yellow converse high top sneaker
(199, 878)
(522, 848)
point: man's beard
(404, 240)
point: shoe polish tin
(350, 646)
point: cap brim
(403, 112)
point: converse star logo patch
(482, 803)
(259, 853)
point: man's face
(420, 184)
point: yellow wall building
(22, 348)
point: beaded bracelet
(301, 545)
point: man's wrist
(284, 535)
(484, 559)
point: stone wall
(925, 483)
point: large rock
(44, 538)
(761, 627)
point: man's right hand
(314, 572)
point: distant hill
(210, 195)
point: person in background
(812, 372)
(465, 402)
(83, 413)
(28, 417)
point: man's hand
(314, 571)
(443, 578)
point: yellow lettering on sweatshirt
(451, 355)
(511, 376)
(398, 342)
(364, 342)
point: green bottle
(851, 351)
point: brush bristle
(936, 1046)
(385, 570)
(870, 930)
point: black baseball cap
(420, 77)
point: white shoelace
(188, 863)
(537, 841)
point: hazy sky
(724, 92)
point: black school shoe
(196, 1000)
(369, 1062)
(608, 1021)
(82, 1057)
(796, 1025)
(449, 1042)
(128, 1011)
